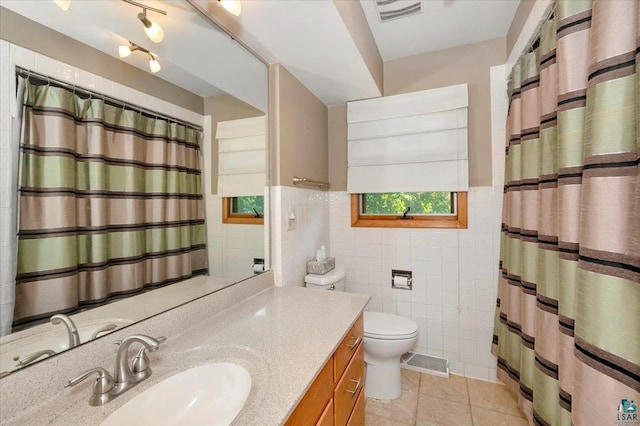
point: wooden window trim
(458, 221)
(239, 219)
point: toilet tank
(332, 280)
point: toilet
(386, 338)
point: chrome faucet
(125, 374)
(32, 357)
(72, 331)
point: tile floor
(457, 401)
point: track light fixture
(125, 50)
(152, 29)
(154, 65)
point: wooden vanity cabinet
(340, 400)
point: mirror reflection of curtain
(567, 328)
(110, 203)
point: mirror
(206, 78)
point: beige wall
(298, 130)
(464, 64)
(222, 108)
(520, 18)
(355, 20)
(26, 33)
(337, 124)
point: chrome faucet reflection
(32, 357)
(72, 330)
(126, 374)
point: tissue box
(320, 268)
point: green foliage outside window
(395, 203)
(245, 205)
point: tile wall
(455, 275)
(232, 247)
(455, 271)
(291, 249)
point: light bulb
(154, 32)
(233, 6)
(154, 65)
(63, 4)
(124, 51)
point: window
(247, 210)
(409, 210)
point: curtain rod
(24, 72)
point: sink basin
(212, 394)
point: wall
(298, 147)
(455, 271)
(356, 22)
(26, 33)
(519, 20)
(298, 130)
(293, 248)
(337, 123)
(464, 64)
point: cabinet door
(315, 400)
(348, 347)
(326, 419)
(349, 387)
(357, 415)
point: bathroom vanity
(288, 339)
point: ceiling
(308, 37)
(441, 25)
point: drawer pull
(355, 343)
(354, 392)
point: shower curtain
(567, 326)
(110, 202)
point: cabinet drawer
(357, 415)
(349, 387)
(314, 401)
(326, 419)
(348, 347)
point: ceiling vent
(394, 9)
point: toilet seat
(385, 326)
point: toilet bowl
(386, 338)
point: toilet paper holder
(401, 280)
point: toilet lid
(384, 325)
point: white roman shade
(409, 143)
(241, 157)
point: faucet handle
(141, 360)
(102, 385)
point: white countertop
(282, 336)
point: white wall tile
(453, 298)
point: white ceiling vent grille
(394, 9)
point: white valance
(241, 157)
(409, 143)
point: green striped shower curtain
(567, 326)
(110, 203)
